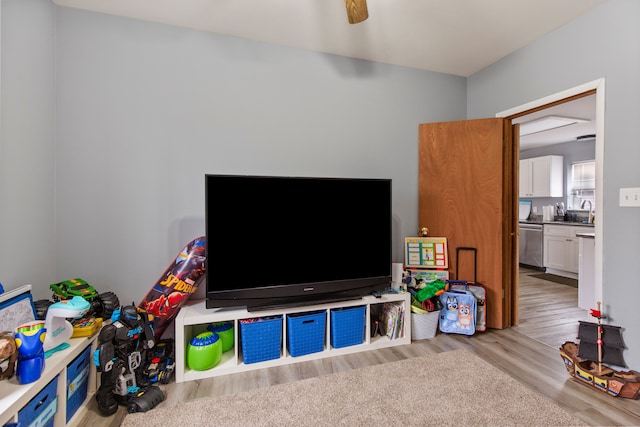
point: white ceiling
(458, 37)
(582, 108)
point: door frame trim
(598, 86)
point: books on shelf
(393, 319)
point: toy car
(160, 364)
(71, 288)
(102, 305)
(144, 400)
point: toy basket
(261, 338)
(306, 332)
(78, 381)
(424, 326)
(347, 326)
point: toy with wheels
(120, 357)
(161, 362)
(102, 304)
(175, 286)
(144, 400)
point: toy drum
(204, 351)
(225, 332)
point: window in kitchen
(582, 185)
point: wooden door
(467, 194)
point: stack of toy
(204, 351)
(425, 275)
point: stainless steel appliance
(531, 245)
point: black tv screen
(275, 241)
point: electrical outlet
(629, 197)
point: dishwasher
(531, 245)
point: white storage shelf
(194, 318)
(14, 396)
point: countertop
(580, 224)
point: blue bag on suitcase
(458, 314)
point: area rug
(556, 279)
(454, 388)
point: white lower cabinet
(586, 284)
(561, 247)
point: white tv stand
(194, 317)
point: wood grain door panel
(462, 197)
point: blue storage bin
(261, 338)
(347, 326)
(306, 332)
(78, 381)
(41, 409)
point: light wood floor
(528, 352)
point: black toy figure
(122, 346)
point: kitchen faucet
(584, 202)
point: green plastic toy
(432, 289)
(225, 331)
(204, 351)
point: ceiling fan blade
(356, 10)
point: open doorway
(544, 107)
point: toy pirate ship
(600, 344)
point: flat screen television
(282, 241)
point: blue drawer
(41, 409)
(261, 338)
(347, 326)
(78, 381)
(306, 332)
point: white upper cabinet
(541, 176)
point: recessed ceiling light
(547, 123)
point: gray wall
(144, 110)
(604, 43)
(27, 144)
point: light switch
(629, 197)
